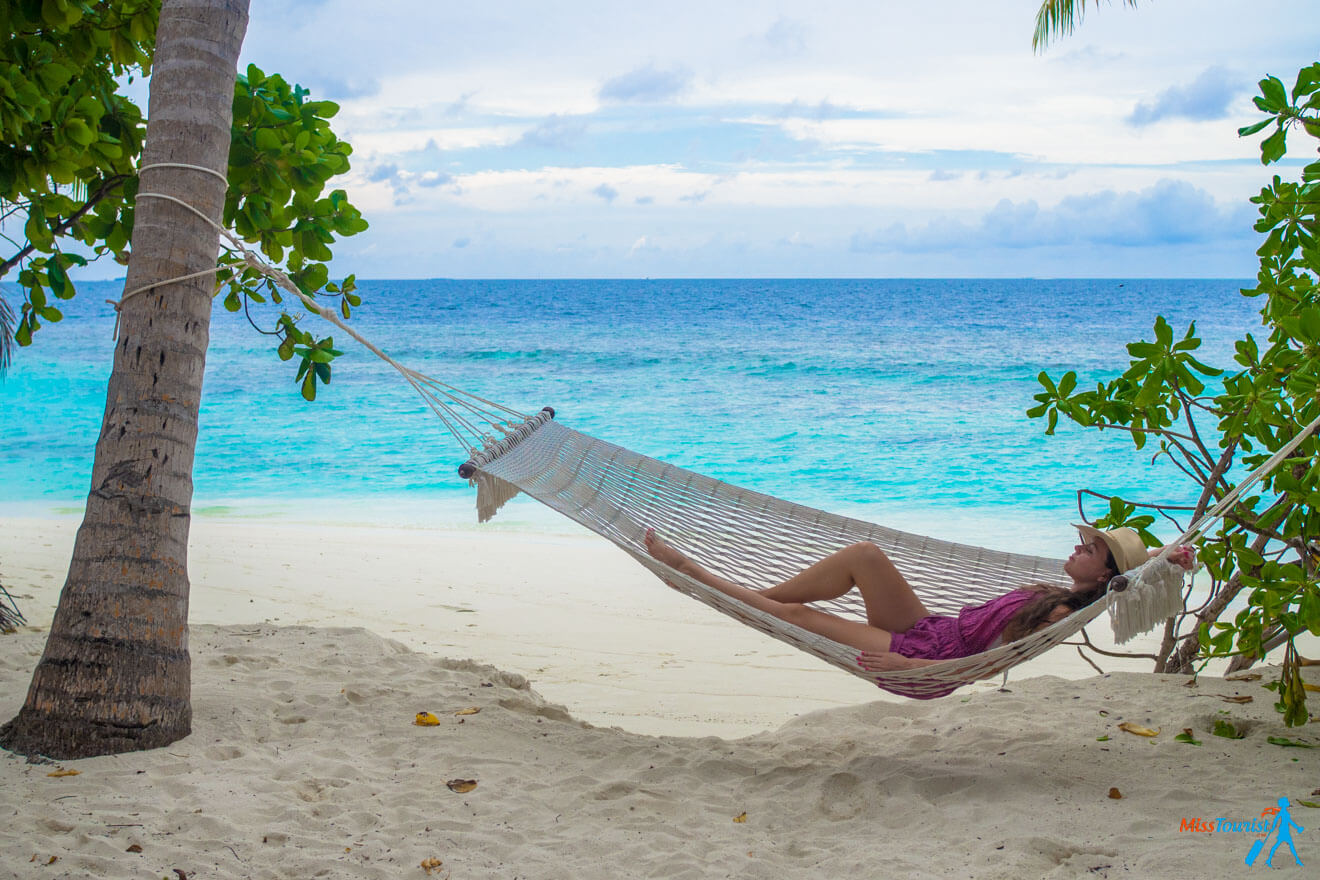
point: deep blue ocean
(899, 401)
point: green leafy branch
(68, 141)
(1266, 546)
(282, 155)
(69, 147)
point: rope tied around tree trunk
(119, 303)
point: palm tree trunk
(115, 673)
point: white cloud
(648, 84)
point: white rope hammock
(751, 538)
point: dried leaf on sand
(1237, 698)
(1137, 729)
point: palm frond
(10, 617)
(7, 324)
(1057, 18)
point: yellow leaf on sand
(462, 786)
(431, 864)
(1137, 729)
(63, 772)
(741, 817)
(471, 710)
(1306, 685)
(1115, 793)
(426, 719)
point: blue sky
(819, 139)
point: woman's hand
(884, 661)
(1184, 556)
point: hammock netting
(758, 541)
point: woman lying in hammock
(899, 632)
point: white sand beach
(623, 731)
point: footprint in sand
(842, 796)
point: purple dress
(943, 638)
(974, 629)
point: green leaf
(1287, 743)
(1273, 147)
(78, 131)
(1163, 332)
(1067, 383)
(1247, 130)
(59, 282)
(1310, 321)
(1226, 729)
(309, 386)
(1307, 80)
(1272, 90)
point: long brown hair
(1036, 613)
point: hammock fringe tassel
(492, 494)
(1154, 593)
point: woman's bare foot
(656, 546)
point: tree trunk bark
(115, 673)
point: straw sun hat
(1125, 544)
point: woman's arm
(888, 661)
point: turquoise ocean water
(898, 401)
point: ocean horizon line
(824, 278)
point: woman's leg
(890, 601)
(821, 581)
(859, 635)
